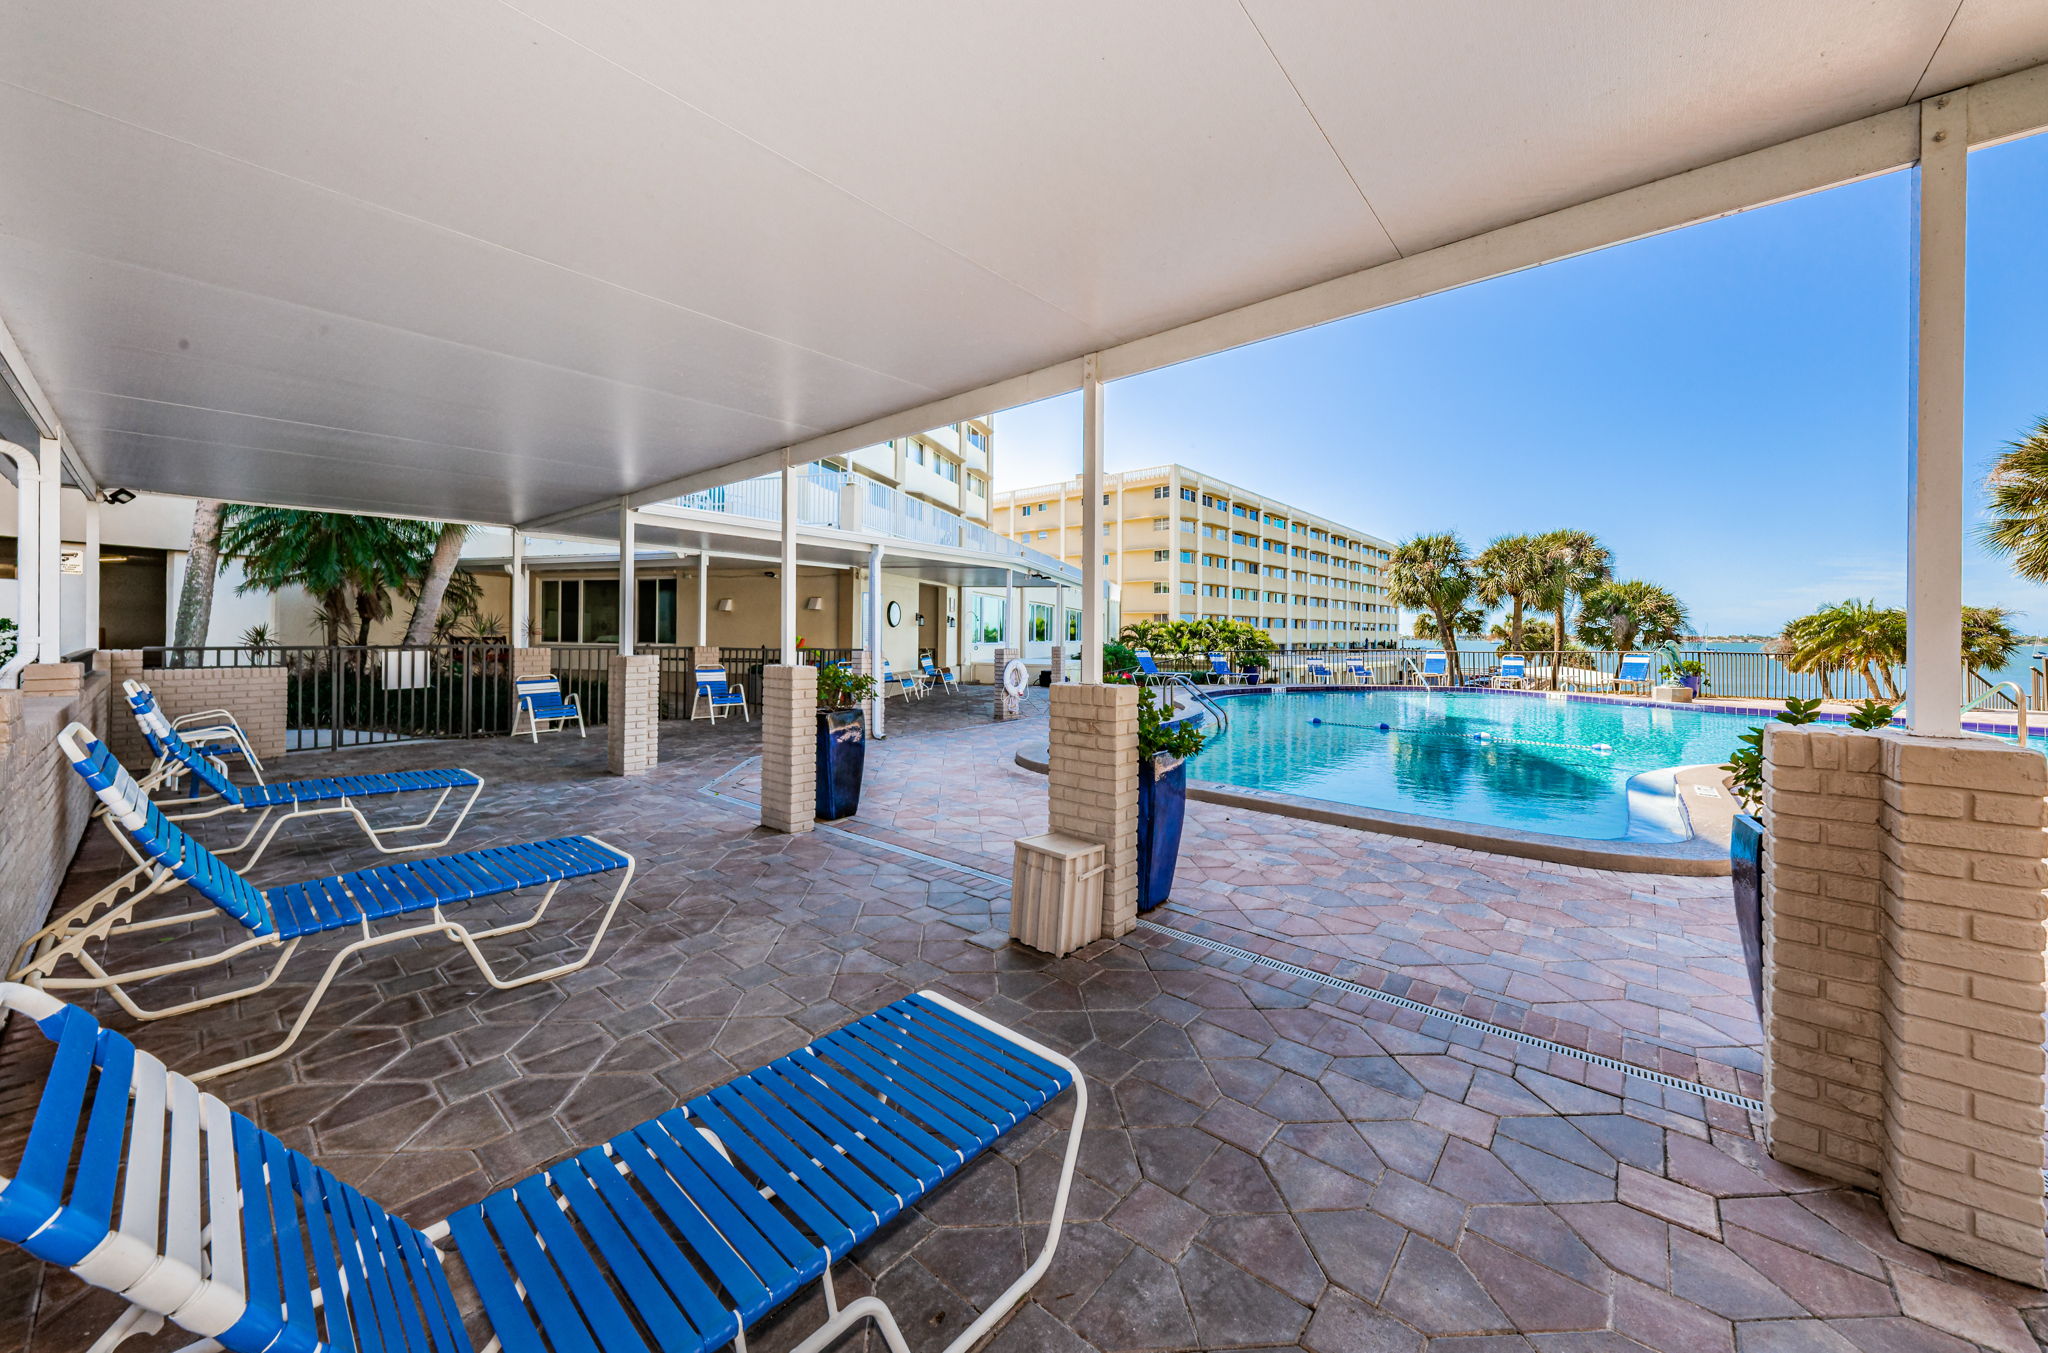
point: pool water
(1526, 762)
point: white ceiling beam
(2002, 109)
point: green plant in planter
(1119, 657)
(1158, 734)
(1745, 766)
(1872, 715)
(839, 687)
(1678, 671)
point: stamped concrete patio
(1271, 1163)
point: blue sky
(1724, 405)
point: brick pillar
(53, 678)
(1059, 663)
(530, 662)
(1824, 1066)
(1964, 965)
(633, 725)
(1002, 708)
(122, 733)
(789, 748)
(1905, 1007)
(1093, 786)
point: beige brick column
(1906, 947)
(1964, 967)
(1000, 708)
(789, 748)
(633, 723)
(530, 662)
(1093, 786)
(1059, 663)
(1824, 1066)
(122, 733)
(52, 678)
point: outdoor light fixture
(814, 603)
(724, 604)
(119, 496)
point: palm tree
(433, 587)
(1470, 620)
(1989, 639)
(349, 564)
(2018, 488)
(1535, 636)
(1855, 634)
(202, 564)
(1432, 573)
(1622, 615)
(1510, 573)
(1573, 562)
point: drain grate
(1462, 1021)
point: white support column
(1934, 554)
(522, 593)
(92, 570)
(787, 577)
(629, 597)
(28, 520)
(1091, 521)
(49, 542)
(1013, 621)
(878, 707)
(703, 598)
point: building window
(1073, 626)
(580, 611)
(1163, 491)
(654, 620)
(917, 453)
(949, 469)
(977, 439)
(1161, 556)
(1161, 523)
(1161, 589)
(988, 618)
(1040, 621)
(1187, 556)
(1187, 526)
(1187, 589)
(1024, 511)
(1045, 535)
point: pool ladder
(2019, 700)
(1219, 719)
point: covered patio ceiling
(501, 261)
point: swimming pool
(1587, 769)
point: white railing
(845, 501)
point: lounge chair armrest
(184, 719)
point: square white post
(787, 579)
(522, 625)
(629, 600)
(48, 547)
(1934, 555)
(703, 598)
(92, 570)
(878, 706)
(1091, 521)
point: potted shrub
(1164, 744)
(1690, 674)
(842, 740)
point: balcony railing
(845, 501)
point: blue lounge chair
(1320, 673)
(909, 683)
(278, 918)
(936, 675)
(1219, 670)
(541, 702)
(679, 1234)
(1513, 671)
(1634, 672)
(213, 731)
(1435, 669)
(1359, 673)
(716, 691)
(300, 798)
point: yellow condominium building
(1182, 545)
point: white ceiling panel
(495, 259)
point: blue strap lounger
(298, 797)
(678, 1235)
(213, 731)
(936, 675)
(1219, 670)
(1634, 672)
(1513, 671)
(540, 701)
(1356, 669)
(716, 691)
(909, 683)
(278, 918)
(1436, 669)
(1319, 671)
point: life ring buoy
(1016, 678)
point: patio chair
(1219, 670)
(213, 731)
(717, 691)
(541, 702)
(1513, 671)
(299, 797)
(936, 675)
(279, 917)
(1435, 669)
(1319, 672)
(908, 683)
(1359, 673)
(679, 1234)
(1634, 673)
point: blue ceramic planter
(1162, 805)
(1746, 861)
(842, 751)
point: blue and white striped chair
(1219, 670)
(213, 731)
(936, 675)
(716, 691)
(1513, 671)
(279, 917)
(1435, 669)
(540, 701)
(679, 1234)
(300, 798)
(1359, 673)
(1320, 673)
(1634, 673)
(909, 683)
